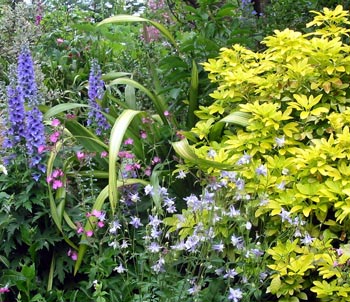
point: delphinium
(25, 127)
(95, 94)
(15, 124)
(35, 132)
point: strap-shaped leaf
(118, 131)
(128, 18)
(183, 149)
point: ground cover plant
(230, 188)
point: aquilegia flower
(95, 92)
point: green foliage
(293, 149)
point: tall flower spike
(35, 131)
(95, 92)
(26, 77)
(35, 136)
(15, 128)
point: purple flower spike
(95, 92)
(35, 137)
(16, 117)
(26, 77)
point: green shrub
(280, 120)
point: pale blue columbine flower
(115, 226)
(235, 294)
(154, 247)
(280, 141)
(237, 242)
(154, 220)
(232, 212)
(261, 170)
(248, 225)
(240, 184)
(120, 269)
(218, 247)
(163, 192)
(285, 216)
(230, 274)
(231, 175)
(192, 242)
(182, 174)
(149, 190)
(158, 267)
(195, 289)
(307, 240)
(135, 222)
(193, 202)
(155, 233)
(124, 244)
(211, 153)
(244, 160)
(169, 204)
(281, 185)
(95, 93)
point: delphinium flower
(35, 138)
(15, 128)
(26, 77)
(95, 93)
(35, 131)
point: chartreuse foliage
(286, 111)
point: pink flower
(57, 173)
(49, 179)
(70, 116)
(59, 41)
(54, 137)
(143, 134)
(100, 224)
(128, 141)
(72, 254)
(55, 122)
(148, 171)
(4, 289)
(96, 213)
(166, 113)
(41, 149)
(104, 154)
(80, 229)
(89, 233)
(57, 184)
(80, 155)
(125, 154)
(156, 160)
(180, 135)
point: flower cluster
(25, 127)
(56, 179)
(95, 93)
(16, 117)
